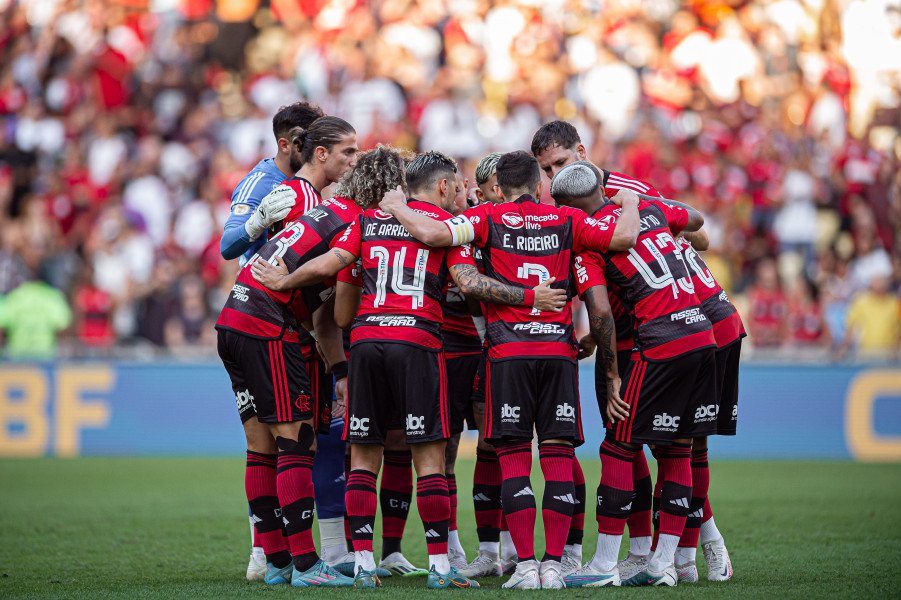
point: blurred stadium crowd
(127, 123)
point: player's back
(657, 287)
(255, 310)
(402, 281)
(528, 243)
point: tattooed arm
(603, 332)
(320, 268)
(474, 284)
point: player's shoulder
(339, 204)
(621, 181)
(429, 210)
(261, 180)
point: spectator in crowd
(33, 315)
(874, 321)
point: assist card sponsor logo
(533, 328)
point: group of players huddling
(399, 310)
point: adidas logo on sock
(627, 507)
(364, 529)
(285, 521)
(431, 533)
(683, 502)
(566, 498)
(698, 513)
(255, 519)
(480, 497)
(526, 491)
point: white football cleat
(486, 564)
(588, 576)
(509, 565)
(525, 577)
(399, 565)
(256, 568)
(688, 573)
(719, 567)
(550, 573)
(632, 565)
(570, 563)
(456, 559)
(667, 578)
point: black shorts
(623, 357)
(268, 375)
(323, 385)
(461, 375)
(727, 360)
(396, 386)
(527, 393)
(478, 384)
(668, 400)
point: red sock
(559, 496)
(295, 495)
(700, 484)
(518, 499)
(639, 520)
(262, 495)
(434, 510)
(486, 496)
(675, 495)
(360, 500)
(452, 498)
(615, 490)
(708, 511)
(395, 496)
(577, 525)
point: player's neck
(315, 176)
(284, 164)
(593, 206)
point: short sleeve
(351, 239)
(676, 216)
(589, 270)
(352, 274)
(594, 232)
(461, 255)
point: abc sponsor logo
(666, 422)
(512, 220)
(735, 412)
(706, 413)
(509, 414)
(359, 427)
(244, 400)
(415, 425)
(565, 412)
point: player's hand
(393, 200)
(340, 407)
(587, 346)
(547, 298)
(273, 208)
(617, 410)
(271, 277)
(624, 197)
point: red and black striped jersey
(727, 325)
(589, 272)
(656, 286)
(523, 243)
(614, 182)
(402, 279)
(254, 310)
(308, 197)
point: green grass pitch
(177, 528)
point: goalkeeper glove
(273, 208)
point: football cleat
(687, 573)
(276, 576)
(719, 566)
(452, 579)
(509, 565)
(346, 567)
(570, 562)
(667, 578)
(525, 577)
(632, 565)
(456, 559)
(396, 564)
(366, 580)
(588, 576)
(320, 575)
(256, 568)
(486, 564)
(550, 574)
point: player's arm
(315, 271)
(679, 216)
(474, 284)
(699, 239)
(245, 223)
(625, 235)
(347, 302)
(331, 345)
(602, 330)
(452, 232)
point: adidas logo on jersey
(509, 414)
(361, 425)
(526, 491)
(665, 422)
(706, 413)
(415, 425)
(539, 328)
(480, 497)
(565, 412)
(568, 498)
(367, 528)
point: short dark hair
(517, 172)
(558, 133)
(427, 168)
(325, 132)
(299, 114)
